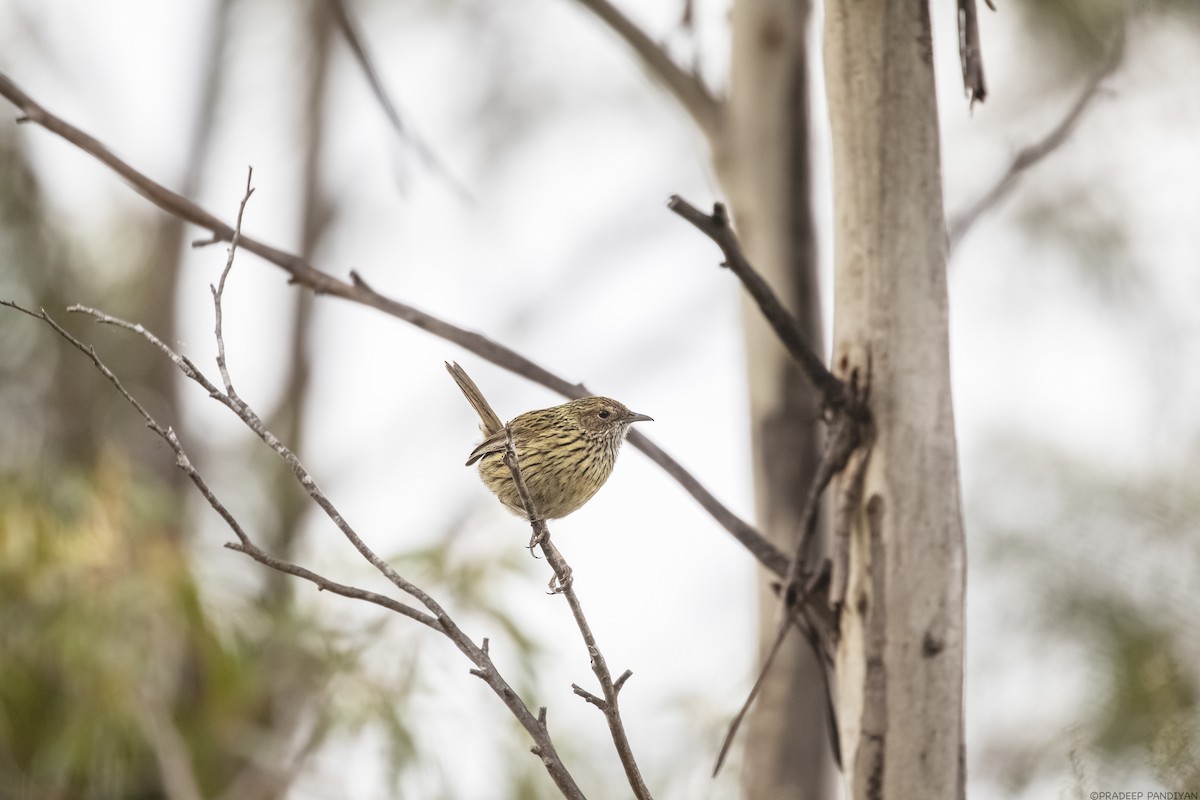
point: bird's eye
(605, 414)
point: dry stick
(479, 656)
(438, 620)
(1032, 154)
(218, 291)
(304, 274)
(686, 86)
(846, 402)
(244, 544)
(716, 227)
(736, 723)
(358, 46)
(562, 583)
(969, 53)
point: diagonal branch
(218, 291)
(716, 227)
(686, 86)
(438, 619)
(1030, 155)
(562, 584)
(244, 543)
(357, 291)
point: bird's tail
(489, 423)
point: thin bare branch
(357, 291)
(969, 53)
(562, 583)
(324, 584)
(716, 226)
(685, 85)
(1030, 155)
(438, 620)
(219, 290)
(767, 554)
(244, 543)
(358, 46)
(736, 722)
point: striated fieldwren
(565, 453)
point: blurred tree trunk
(900, 658)
(764, 163)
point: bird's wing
(492, 444)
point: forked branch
(357, 291)
(434, 617)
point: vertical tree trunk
(764, 164)
(900, 658)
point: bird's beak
(634, 417)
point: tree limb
(357, 291)
(686, 86)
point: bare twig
(716, 227)
(358, 46)
(736, 723)
(768, 555)
(562, 583)
(802, 615)
(686, 86)
(969, 52)
(219, 290)
(437, 620)
(357, 291)
(244, 543)
(1033, 153)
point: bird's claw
(539, 537)
(560, 583)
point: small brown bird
(565, 453)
